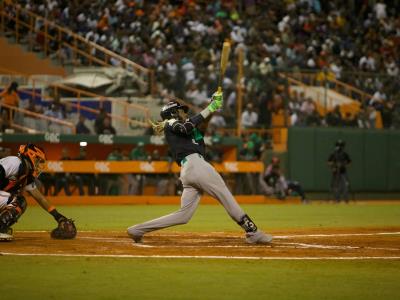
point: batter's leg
(211, 182)
(189, 201)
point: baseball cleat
(138, 239)
(258, 237)
(6, 235)
(135, 235)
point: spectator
(165, 183)
(247, 153)
(378, 99)
(80, 127)
(309, 110)
(98, 123)
(363, 119)
(372, 115)
(295, 103)
(273, 182)
(380, 10)
(138, 180)
(55, 112)
(107, 128)
(195, 95)
(33, 121)
(349, 120)
(334, 117)
(88, 180)
(387, 114)
(110, 183)
(139, 153)
(217, 120)
(9, 96)
(214, 152)
(3, 123)
(249, 117)
(65, 180)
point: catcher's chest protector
(14, 184)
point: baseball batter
(197, 175)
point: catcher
(17, 174)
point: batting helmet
(35, 155)
(170, 110)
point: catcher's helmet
(35, 155)
(170, 110)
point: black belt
(184, 160)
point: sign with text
(91, 166)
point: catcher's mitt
(65, 230)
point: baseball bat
(226, 49)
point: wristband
(56, 215)
(205, 113)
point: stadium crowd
(357, 42)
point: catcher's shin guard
(10, 214)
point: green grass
(214, 217)
(93, 278)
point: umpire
(338, 162)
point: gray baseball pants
(197, 176)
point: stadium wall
(375, 159)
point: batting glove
(217, 101)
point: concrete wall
(14, 58)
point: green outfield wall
(375, 158)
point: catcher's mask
(170, 110)
(35, 155)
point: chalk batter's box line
(275, 245)
(219, 234)
(204, 257)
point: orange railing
(323, 100)
(24, 114)
(52, 38)
(348, 90)
(80, 94)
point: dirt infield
(349, 243)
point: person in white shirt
(217, 120)
(249, 117)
